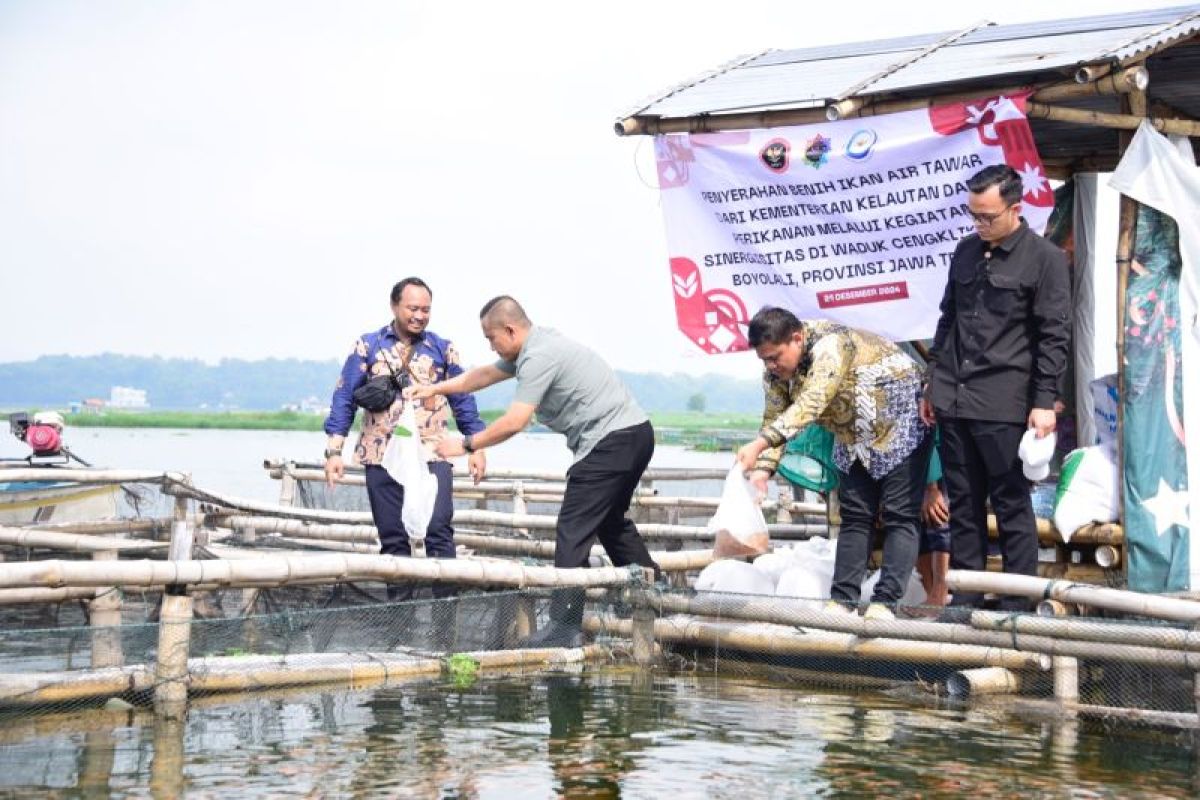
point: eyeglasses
(988, 219)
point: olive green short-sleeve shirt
(576, 393)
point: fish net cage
(85, 647)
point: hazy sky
(212, 178)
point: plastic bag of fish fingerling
(738, 526)
(914, 590)
(778, 561)
(1087, 489)
(734, 576)
(809, 583)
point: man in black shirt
(996, 361)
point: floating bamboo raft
(217, 542)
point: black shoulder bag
(379, 392)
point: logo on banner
(775, 155)
(861, 144)
(715, 319)
(674, 158)
(816, 152)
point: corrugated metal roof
(811, 76)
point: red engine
(43, 433)
(44, 440)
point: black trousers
(979, 459)
(387, 501)
(599, 488)
(896, 497)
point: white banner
(853, 221)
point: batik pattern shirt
(861, 387)
(435, 359)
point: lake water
(599, 732)
(230, 462)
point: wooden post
(171, 672)
(783, 515)
(677, 578)
(526, 622)
(1132, 103)
(1066, 678)
(166, 767)
(519, 506)
(104, 615)
(644, 653)
(96, 762)
(833, 513)
(287, 486)
(983, 680)
(1053, 608)
(174, 626)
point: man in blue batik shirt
(404, 345)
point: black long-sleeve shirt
(1002, 339)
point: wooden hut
(1089, 82)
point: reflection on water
(600, 733)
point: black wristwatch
(468, 443)
(331, 452)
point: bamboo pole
(251, 673)
(174, 625)
(167, 765)
(801, 614)
(645, 652)
(1102, 119)
(1160, 636)
(171, 669)
(1093, 533)
(104, 616)
(1145, 605)
(983, 680)
(780, 640)
(90, 475)
(1053, 608)
(652, 126)
(1107, 556)
(72, 542)
(14, 597)
(331, 568)
(276, 467)
(1134, 78)
(1066, 679)
(1076, 573)
(668, 561)
(1171, 719)
(1135, 104)
(151, 525)
(553, 492)
(358, 529)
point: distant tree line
(180, 383)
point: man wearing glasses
(995, 365)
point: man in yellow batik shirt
(865, 390)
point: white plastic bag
(738, 526)
(404, 459)
(1087, 489)
(734, 576)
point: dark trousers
(980, 461)
(387, 501)
(896, 497)
(599, 488)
